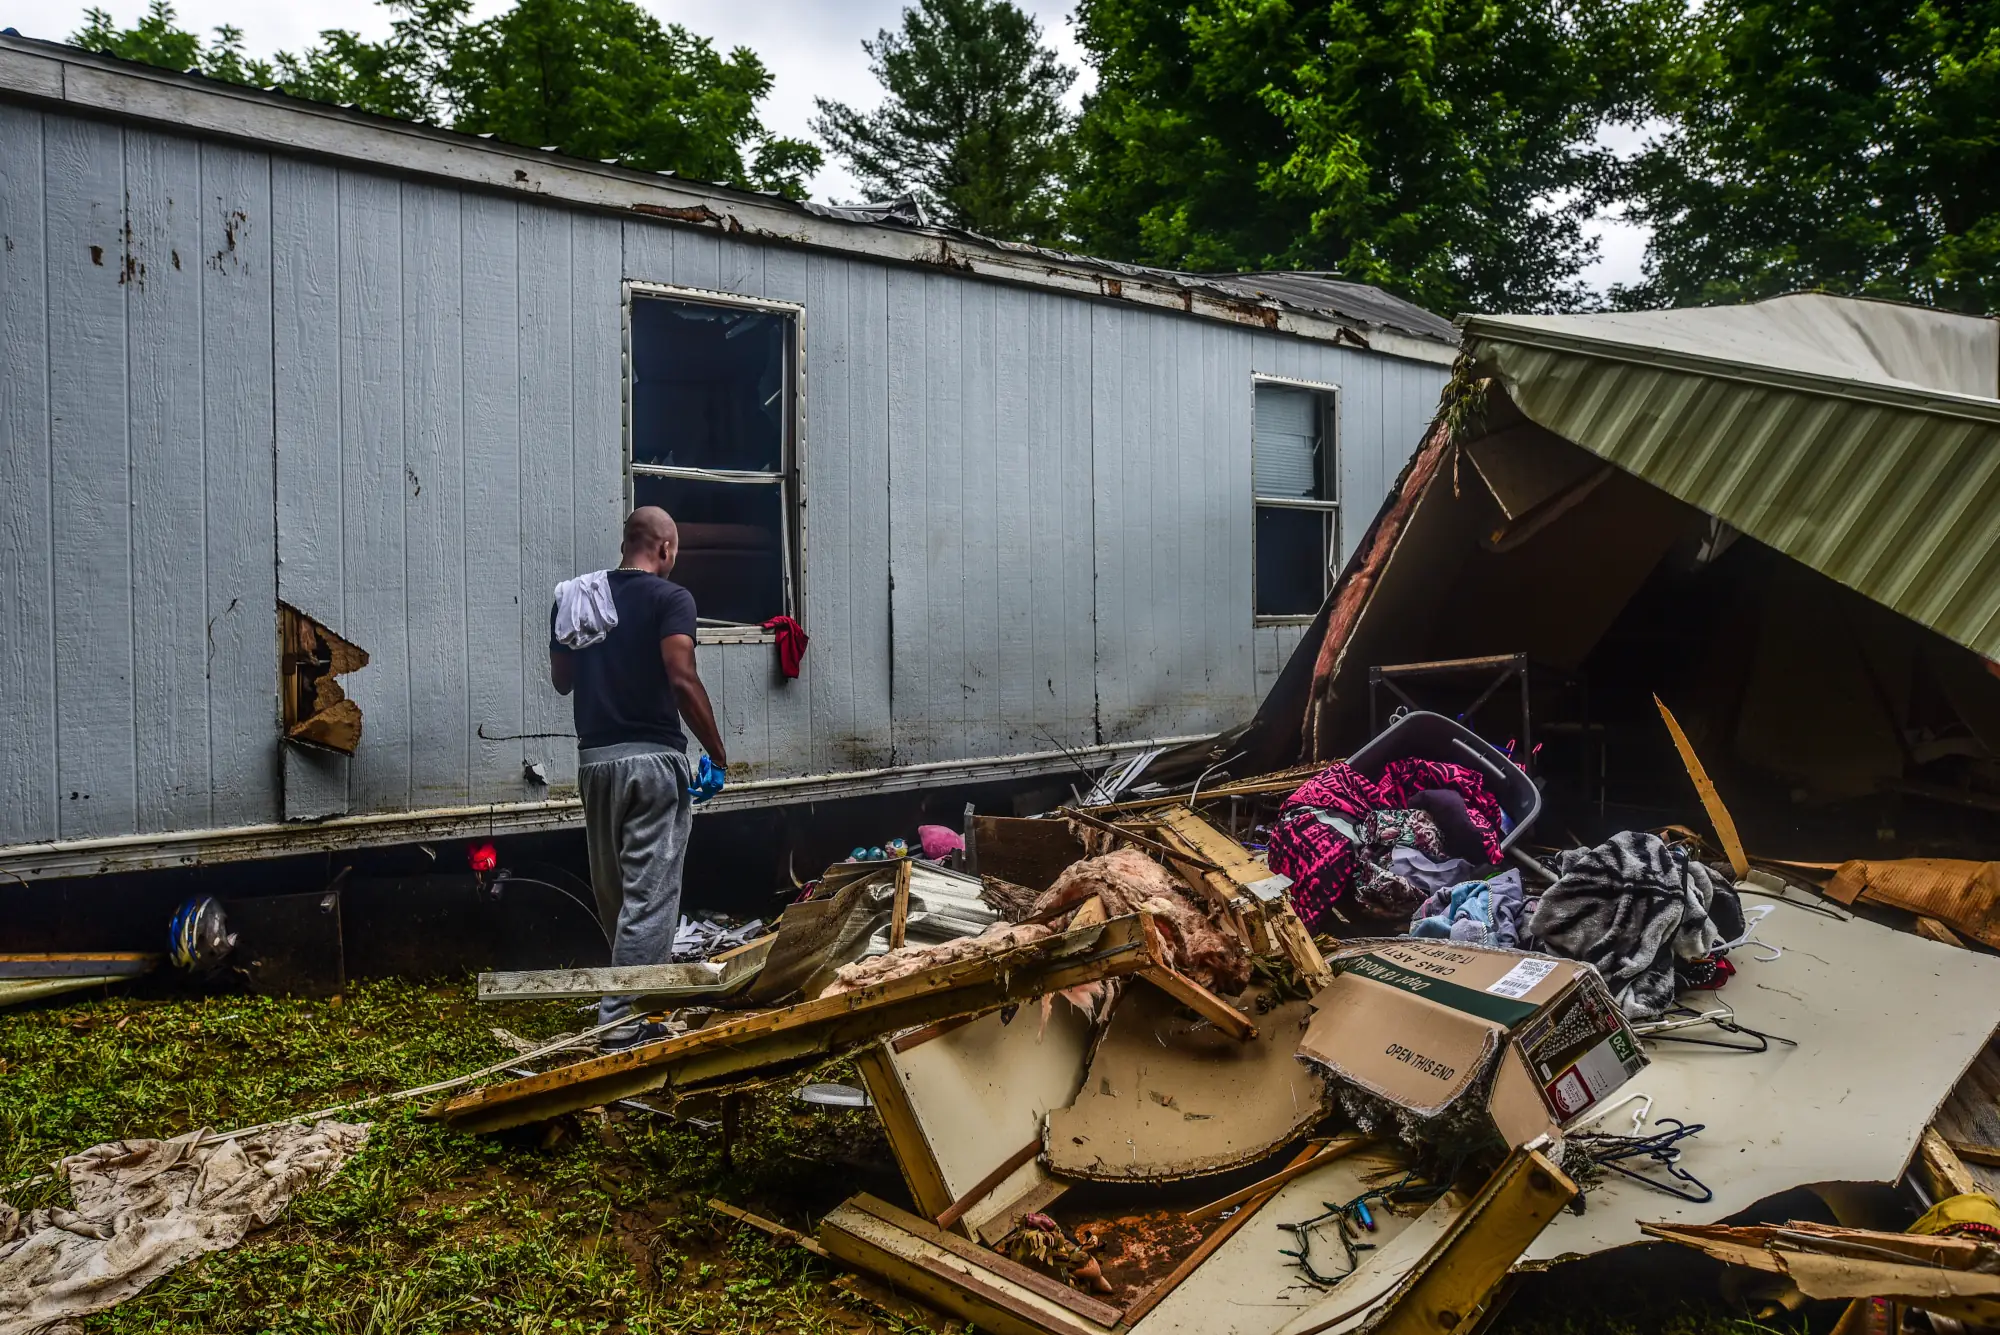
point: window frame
(790, 477)
(1329, 396)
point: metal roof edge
(1497, 329)
(42, 72)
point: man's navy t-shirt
(622, 693)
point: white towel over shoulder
(585, 612)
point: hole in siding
(317, 712)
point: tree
(1851, 147)
(592, 78)
(604, 79)
(157, 40)
(1444, 149)
(973, 123)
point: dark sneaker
(632, 1036)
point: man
(622, 643)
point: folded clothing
(1320, 843)
(1630, 908)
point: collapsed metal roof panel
(1859, 438)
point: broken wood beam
(1321, 1155)
(1933, 930)
(1946, 1175)
(770, 1226)
(1987, 1156)
(1251, 877)
(1201, 1001)
(994, 1292)
(1447, 1289)
(1150, 845)
(899, 915)
(987, 1185)
(755, 1047)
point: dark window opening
(712, 411)
(732, 556)
(1291, 561)
(1293, 472)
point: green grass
(427, 1230)
(601, 1227)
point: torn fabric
(140, 1209)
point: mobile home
(303, 413)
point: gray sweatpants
(635, 822)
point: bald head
(652, 540)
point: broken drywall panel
(1885, 1023)
(1168, 1096)
(1250, 1287)
(316, 710)
(977, 1094)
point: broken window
(1293, 470)
(713, 437)
(315, 711)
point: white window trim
(790, 477)
(1330, 508)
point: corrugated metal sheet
(1891, 491)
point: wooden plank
(90, 540)
(239, 472)
(863, 1241)
(772, 1227)
(1243, 870)
(498, 663)
(166, 331)
(1130, 836)
(1932, 929)
(306, 419)
(1203, 1002)
(1211, 1244)
(899, 914)
(907, 1141)
(1320, 1156)
(1711, 800)
(28, 805)
(1448, 1288)
(737, 1051)
(1946, 1176)
(991, 1261)
(434, 513)
(986, 1186)
(1968, 1152)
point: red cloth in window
(791, 643)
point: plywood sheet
(1168, 1096)
(979, 1092)
(1886, 1023)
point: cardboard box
(1420, 1022)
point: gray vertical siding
(228, 378)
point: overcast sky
(812, 48)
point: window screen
(1297, 513)
(711, 436)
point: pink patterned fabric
(1308, 846)
(1403, 779)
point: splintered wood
(769, 1044)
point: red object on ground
(791, 643)
(484, 857)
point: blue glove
(708, 781)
